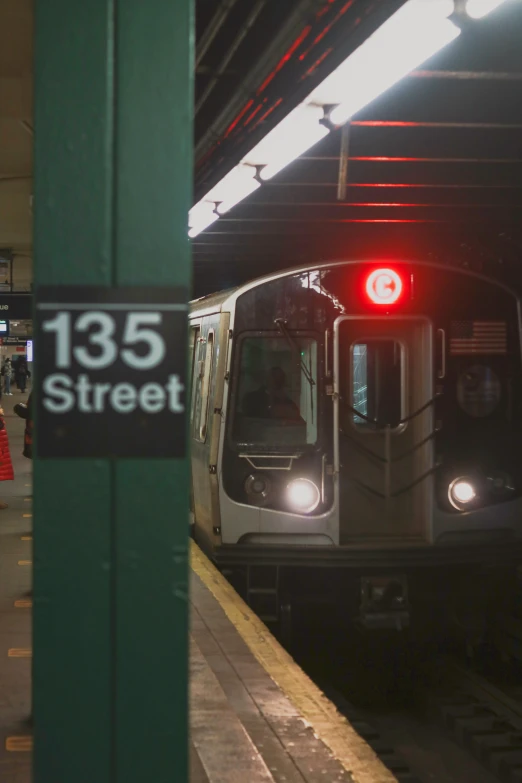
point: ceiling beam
(411, 159)
(284, 37)
(408, 124)
(503, 76)
(212, 29)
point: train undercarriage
(429, 595)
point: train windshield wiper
(307, 372)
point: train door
(383, 429)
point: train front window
(276, 393)
(377, 383)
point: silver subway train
(356, 437)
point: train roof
(213, 302)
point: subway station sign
(111, 365)
(16, 306)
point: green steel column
(153, 185)
(113, 142)
(72, 689)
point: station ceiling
(16, 129)
(432, 167)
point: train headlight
(258, 489)
(461, 493)
(303, 495)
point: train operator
(270, 401)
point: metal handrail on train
(251, 457)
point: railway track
(373, 736)
(482, 718)
(430, 722)
(428, 719)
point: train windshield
(276, 400)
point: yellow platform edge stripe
(20, 652)
(19, 744)
(326, 721)
(23, 603)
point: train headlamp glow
(384, 286)
(461, 492)
(303, 495)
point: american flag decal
(478, 337)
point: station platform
(15, 606)
(255, 716)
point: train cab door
(383, 429)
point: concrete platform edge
(317, 710)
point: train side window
(203, 386)
(377, 383)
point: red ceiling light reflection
(383, 286)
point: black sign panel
(111, 366)
(15, 306)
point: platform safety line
(327, 722)
(25, 562)
(23, 603)
(19, 744)
(20, 652)
(26, 538)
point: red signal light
(384, 286)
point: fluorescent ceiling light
(411, 36)
(294, 135)
(201, 216)
(418, 30)
(477, 9)
(237, 185)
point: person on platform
(21, 374)
(7, 373)
(6, 465)
(25, 411)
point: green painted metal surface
(113, 155)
